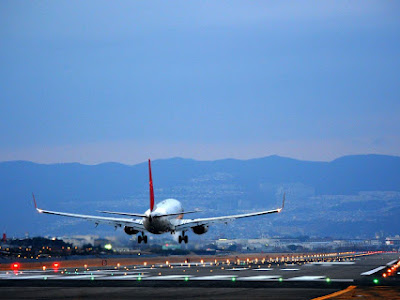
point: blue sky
(95, 81)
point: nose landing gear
(183, 238)
(141, 238)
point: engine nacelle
(130, 230)
(201, 229)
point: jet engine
(130, 230)
(200, 229)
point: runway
(296, 278)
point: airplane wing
(189, 223)
(118, 222)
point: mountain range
(352, 196)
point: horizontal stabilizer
(123, 214)
(177, 214)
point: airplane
(163, 217)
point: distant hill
(219, 187)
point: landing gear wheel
(185, 238)
(139, 239)
(180, 239)
(145, 239)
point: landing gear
(141, 238)
(183, 238)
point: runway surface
(278, 278)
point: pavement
(276, 277)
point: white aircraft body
(166, 216)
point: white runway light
(167, 277)
(259, 278)
(333, 263)
(373, 271)
(124, 277)
(215, 277)
(307, 278)
(78, 277)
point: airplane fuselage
(158, 225)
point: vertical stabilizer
(151, 188)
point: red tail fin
(151, 188)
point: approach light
(108, 246)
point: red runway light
(56, 265)
(15, 266)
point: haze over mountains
(353, 196)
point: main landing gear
(141, 238)
(183, 237)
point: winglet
(34, 202)
(151, 188)
(283, 202)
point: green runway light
(376, 281)
(92, 278)
(233, 278)
(280, 279)
(328, 280)
(186, 278)
(45, 278)
(139, 278)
